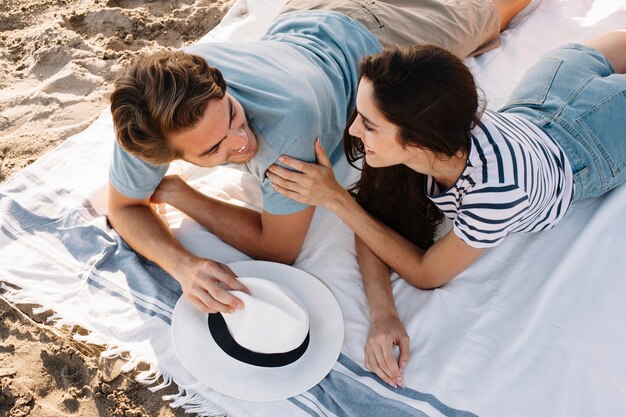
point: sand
(59, 59)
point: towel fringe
(16, 295)
(193, 403)
(153, 378)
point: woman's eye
(365, 127)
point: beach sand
(59, 59)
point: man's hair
(158, 94)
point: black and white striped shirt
(517, 179)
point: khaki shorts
(464, 27)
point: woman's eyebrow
(368, 121)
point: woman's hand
(387, 331)
(312, 184)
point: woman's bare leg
(508, 9)
(613, 46)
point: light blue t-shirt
(295, 84)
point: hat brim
(204, 359)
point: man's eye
(214, 150)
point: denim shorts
(575, 96)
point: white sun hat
(285, 340)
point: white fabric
(534, 328)
(273, 320)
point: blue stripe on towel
(351, 395)
(343, 396)
(96, 260)
(347, 397)
(305, 408)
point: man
(268, 98)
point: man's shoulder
(324, 26)
(132, 176)
(317, 19)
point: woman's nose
(354, 129)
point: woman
(560, 138)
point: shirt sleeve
(489, 213)
(304, 150)
(132, 176)
(273, 201)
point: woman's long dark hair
(431, 96)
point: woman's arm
(386, 329)
(315, 184)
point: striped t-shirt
(517, 179)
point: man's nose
(239, 137)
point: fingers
(388, 365)
(210, 288)
(212, 298)
(381, 360)
(221, 273)
(207, 304)
(287, 179)
(322, 157)
(405, 352)
(298, 191)
(306, 167)
(298, 165)
(373, 363)
(200, 304)
(285, 173)
(228, 278)
(380, 357)
(288, 193)
(221, 299)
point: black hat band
(223, 338)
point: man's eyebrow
(230, 112)
(230, 122)
(368, 121)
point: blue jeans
(574, 95)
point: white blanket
(534, 328)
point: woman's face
(380, 137)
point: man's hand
(385, 332)
(207, 283)
(169, 186)
(204, 282)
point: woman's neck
(446, 171)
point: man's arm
(144, 230)
(264, 236)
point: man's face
(221, 136)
